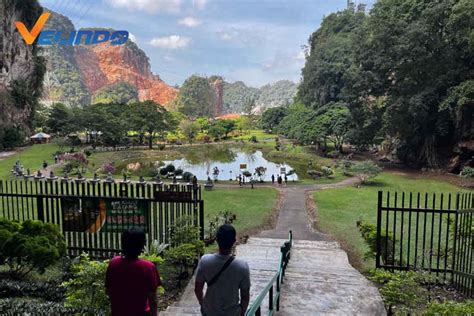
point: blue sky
(255, 41)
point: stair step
(190, 310)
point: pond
(230, 162)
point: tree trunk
(428, 153)
(150, 141)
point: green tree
(190, 129)
(196, 97)
(272, 117)
(61, 120)
(120, 92)
(149, 118)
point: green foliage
(33, 245)
(61, 120)
(450, 308)
(188, 176)
(49, 290)
(11, 137)
(467, 172)
(326, 171)
(253, 139)
(369, 233)
(237, 95)
(400, 290)
(189, 129)
(29, 306)
(120, 92)
(272, 117)
(277, 94)
(196, 97)
(86, 288)
(365, 170)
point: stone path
(319, 278)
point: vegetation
(31, 245)
(120, 92)
(340, 209)
(196, 97)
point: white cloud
(189, 22)
(226, 36)
(171, 42)
(301, 56)
(200, 4)
(132, 37)
(151, 6)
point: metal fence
(92, 214)
(426, 232)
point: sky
(254, 41)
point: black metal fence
(92, 214)
(427, 232)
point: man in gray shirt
(225, 277)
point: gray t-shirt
(222, 298)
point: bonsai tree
(365, 170)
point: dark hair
(133, 241)
(226, 236)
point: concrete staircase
(319, 281)
(262, 255)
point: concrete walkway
(319, 278)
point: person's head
(133, 241)
(226, 237)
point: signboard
(91, 215)
(243, 166)
(173, 196)
(282, 170)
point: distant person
(279, 180)
(131, 283)
(45, 164)
(56, 159)
(240, 180)
(286, 180)
(273, 179)
(251, 182)
(225, 276)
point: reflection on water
(228, 162)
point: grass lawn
(31, 157)
(338, 210)
(252, 207)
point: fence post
(379, 230)
(456, 220)
(201, 219)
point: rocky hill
(75, 74)
(21, 69)
(240, 98)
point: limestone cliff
(21, 70)
(76, 73)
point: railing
(433, 233)
(277, 280)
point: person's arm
(153, 301)
(244, 300)
(198, 291)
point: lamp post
(230, 178)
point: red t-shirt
(128, 282)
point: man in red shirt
(131, 283)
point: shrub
(369, 233)
(365, 170)
(184, 257)
(467, 172)
(314, 173)
(327, 172)
(33, 246)
(108, 167)
(253, 139)
(188, 176)
(170, 168)
(400, 290)
(450, 308)
(223, 217)
(161, 146)
(11, 137)
(333, 154)
(49, 290)
(247, 173)
(178, 172)
(28, 306)
(86, 288)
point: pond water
(229, 165)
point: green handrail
(273, 300)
